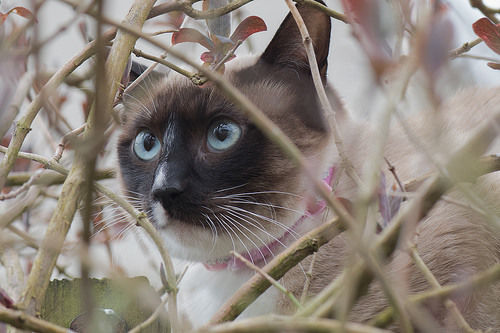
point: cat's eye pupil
(222, 132)
(146, 146)
(149, 141)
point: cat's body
(212, 182)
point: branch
(320, 89)
(328, 11)
(49, 178)
(269, 278)
(287, 324)
(23, 125)
(24, 321)
(9, 114)
(487, 11)
(478, 281)
(277, 268)
(71, 192)
(212, 13)
(466, 47)
(145, 324)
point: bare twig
(436, 285)
(309, 275)
(150, 320)
(23, 125)
(320, 89)
(275, 283)
(328, 11)
(478, 281)
(160, 60)
(466, 47)
(487, 11)
(8, 115)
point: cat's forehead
(175, 94)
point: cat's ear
(287, 49)
(136, 91)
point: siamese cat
(212, 183)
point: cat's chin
(191, 242)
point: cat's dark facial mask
(208, 177)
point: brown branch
(24, 321)
(49, 178)
(487, 11)
(269, 278)
(71, 193)
(23, 125)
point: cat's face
(207, 177)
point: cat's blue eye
(223, 134)
(146, 145)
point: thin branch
(320, 89)
(23, 125)
(10, 113)
(466, 47)
(309, 275)
(473, 56)
(160, 60)
(328, 11)
(452, 307)
(275, 283)
(212, 13)
(49, 178)
(145, 324)
(478, 281)
(487, 11)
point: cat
(212, 182)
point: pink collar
(232, 263)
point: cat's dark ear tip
(136, 70)
(287, 49)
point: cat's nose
(168, 193)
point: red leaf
(21, 11)
(5, 300)
(365, 17)
(247, 27)
(494, 65)
(191, 35)
(488, 32)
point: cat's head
(207, 177)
